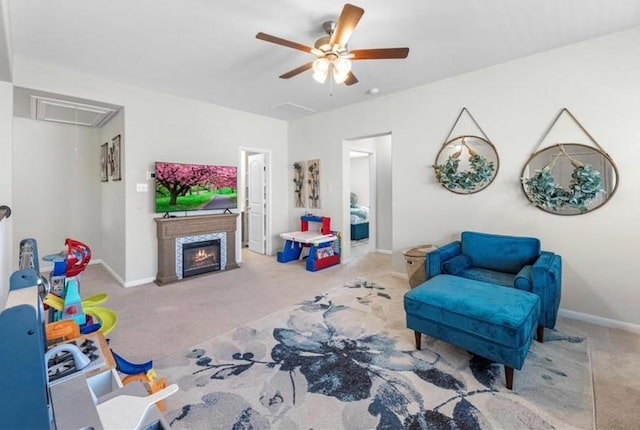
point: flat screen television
(184, 187)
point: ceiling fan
(333, 58)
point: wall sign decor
(299, 184)
(466, 163)
(569, 178)
(313, 179)
(104, 162)
(114, 157)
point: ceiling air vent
(68, 112)
(293, 109)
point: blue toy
(73, 303)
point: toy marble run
(67, 266)
(321, 244)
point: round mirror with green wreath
(569, 178)
(466, 164)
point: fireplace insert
(200, 257)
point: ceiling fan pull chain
(330, 82)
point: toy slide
(57, 303)
(129, 368)
(106, 317)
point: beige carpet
(345, 360)
(159, 321)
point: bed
(359, 220)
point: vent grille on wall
(68, 112)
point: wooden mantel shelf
(169, 229)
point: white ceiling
(207, 50)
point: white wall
(514, 103)
(56, 184)
(112, 202)
(163, 127)
(6, 170)
(384, 193)
(360, 179)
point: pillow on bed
(456, 264)
(360, 212)
(355, 219)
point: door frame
(244, 152)
(348, 146)
(372, 194)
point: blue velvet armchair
(509, 261)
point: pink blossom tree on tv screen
(178, 179)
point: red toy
(78, 256)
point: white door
(257, 202)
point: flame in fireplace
(202, 256)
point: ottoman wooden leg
(508, 372)
(540, 333)
(418, 339)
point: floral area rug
(345, 360)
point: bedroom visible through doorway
(367, 180)
(360, 202)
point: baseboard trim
(113, 273)
(384, 251)
(601, 321)
(139, 282)
(130, 283)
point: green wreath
(585, 186)
(481, 172)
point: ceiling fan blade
(297, 71)
(284, 42)
(378, 54)
(347, 22)
(351, 79)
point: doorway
(256, 197)
(367, 158)
(361, 197)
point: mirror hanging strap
(464, 109)
(584, 130)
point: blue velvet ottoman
(492, 321)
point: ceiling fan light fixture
(333, 59)
(341, 69)
(321, 69)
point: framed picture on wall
(104, 162)
(300, 184)
(114, 158)
(313, 180)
